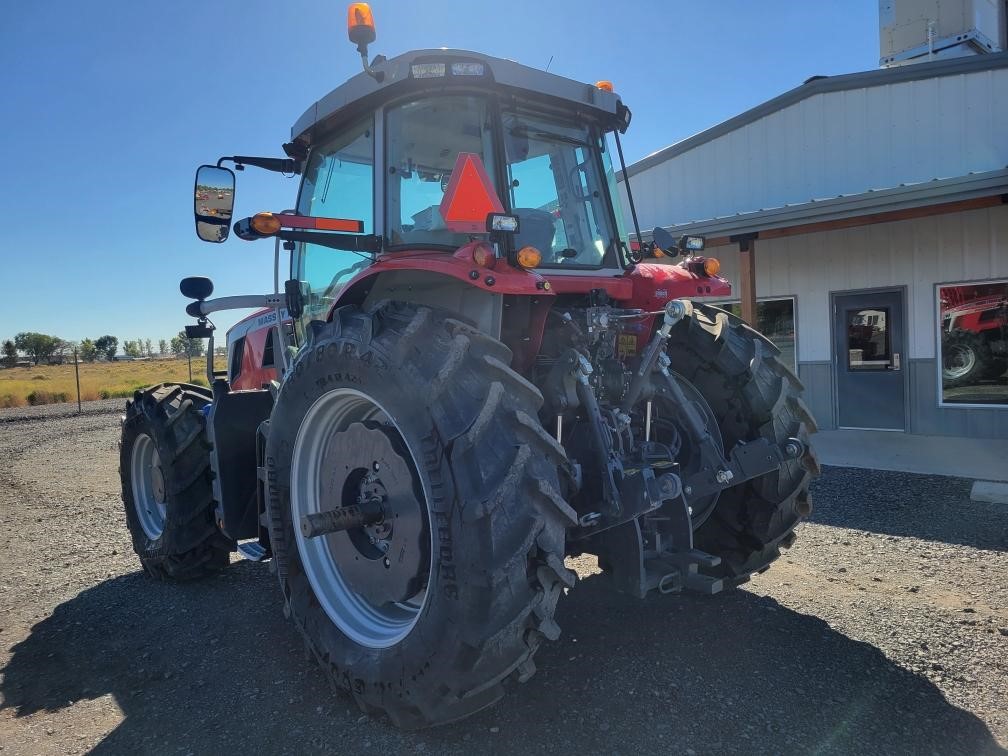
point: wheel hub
(157, 484)
(148, 484)
(383, 562)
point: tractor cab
(457, 149)
(475, 174)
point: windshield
(558, 189)
(424, 140)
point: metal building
(863, 222)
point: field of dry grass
(48, 384)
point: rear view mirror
(214, 202)
(196, 287)
(664, 241)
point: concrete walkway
(975, 458)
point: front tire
(753, 395)
(473, 517)
(164, 466)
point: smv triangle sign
(470, 196)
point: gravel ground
(64, 409)
(884, 630)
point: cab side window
(338, 183)
(237, 353)
(268, 359)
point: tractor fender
(654, 284)
(449, 282)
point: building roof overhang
(971, 191)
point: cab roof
(363, 92)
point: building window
(775, 319)
(973, 342)
(868, 339)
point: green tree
(148, 348)
(181, 346)
(88, 350)
(38, 346)
(10, 353)
(64, 349)
(162, 347)
(107, 346)
(131, 348)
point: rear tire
(967, 360)
(753, 395)
(164, 466)
(485, 485)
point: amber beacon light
(360, 24)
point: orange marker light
(712, 266)
(657, 251)
(266, 224)
(483, 255)
(360, 24)
(529, 257)
(605, 86)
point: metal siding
(916, 253)
(818, 380)
(927, 418)
(834, 143)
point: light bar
(427, 70)
(468, 69)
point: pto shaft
(360, 515)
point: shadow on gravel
(931, 507)
(213, 666)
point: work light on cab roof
(472, 371)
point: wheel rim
(148, 484)
(337, 563)
(958, 360)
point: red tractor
(974, 333)
(469, 376)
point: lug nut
(724, 476)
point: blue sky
(108, 108)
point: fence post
(77, 376)
(189, 358)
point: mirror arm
(242, 302)
(363, 243)
(351, 242)
(279, 165)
